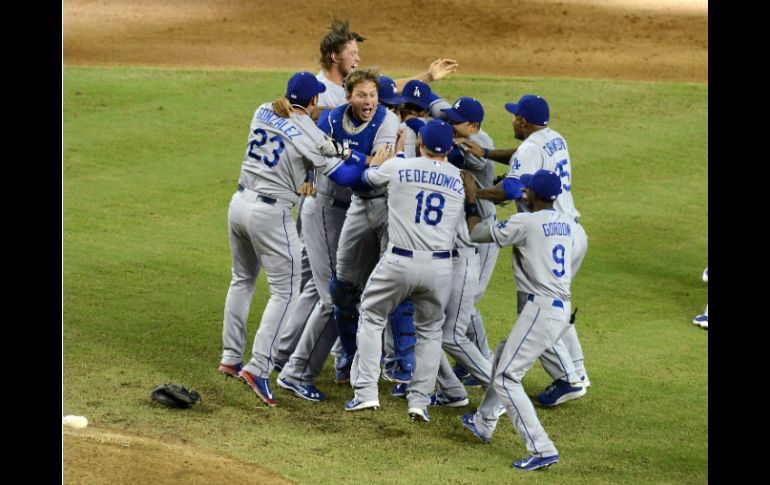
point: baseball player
(466, 116)
(425, 205)
(544, 148)
(283, 142)
(703, 320)
(543, 244)
(339, 57)
(365, 126)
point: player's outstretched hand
(441, 67)
(469, 182)
(381, 155)
(470, 146)
(306, 189)
(400, 140)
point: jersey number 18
(434, 208)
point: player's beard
(345, 70)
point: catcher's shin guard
(404, 336)
(347, 326)
(345, 296)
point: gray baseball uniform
(334, 95)
(547, 149)
(263, 232)
(455, 341)
(324, 215)
(484, 171)
(324, 236)
(308, 302)
(425, 204)
(543, 243)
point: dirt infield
(653, 40)
(96, 456)
(656, 40)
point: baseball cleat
(586, 382)
(309, 392)
(469, 422)
(440, 399)
(705, 275)
(460, 372)
(230, 370)
(561, 391)
(260, 386)
(702, 321)
(394, 374)
(356, 405)
(533, 462)
(342, 367)
(471, 382)
(417, 414)
(342, 376)
(398, 390)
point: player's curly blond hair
(335, 40)
(370, 74)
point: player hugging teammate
(398, 242)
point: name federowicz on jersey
(425, 202)
(278, 153)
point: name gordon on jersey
(557, 229)
(284, 125)
(415, 176)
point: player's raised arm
(438, 69)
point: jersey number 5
(434, 208)
(259, 142)
(564, 173)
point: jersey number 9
(558, 256)
(260, 141)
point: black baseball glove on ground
(173, 396)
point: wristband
(471, 209)
(486, 153)
(401, 155)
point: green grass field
(151, 159)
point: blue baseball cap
(465, 109)
(532, 108)
(437, 136)
(417, 92)
(303, 86)
(545, 183)
(387, 92)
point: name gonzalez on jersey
(285, 126)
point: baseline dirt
(95, 456)
(657, 40)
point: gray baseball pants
(427, 281)
(455, 341)
(261, 235)
(323, 221)
(538, 327)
